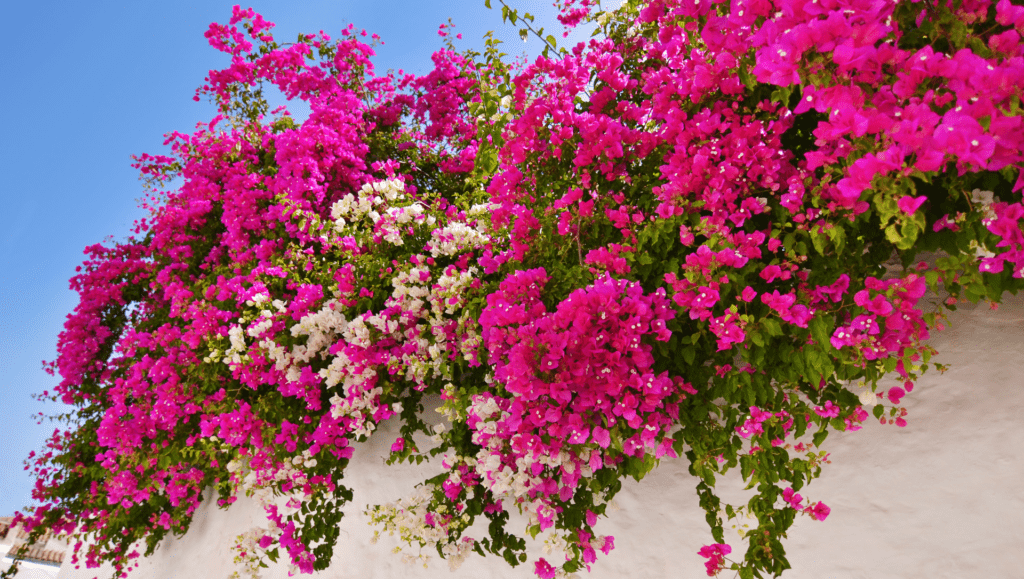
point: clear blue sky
(86, 85)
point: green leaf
(908, 234)
(819, 437)
(878, 410)
(838, 237)
(958, 34)
(781, 95)
(487, 160)
(821, 330)
(889, 364)
(757, 338)
(799, 362)
(487, 3)
(746, 78)
(892, 234)
(818, 240)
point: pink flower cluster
(584, 363)
(893, 303)
(715, 555)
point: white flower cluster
(983, 201)
(234, 355)
(425, 304)
(554, 544)
(375, 202)
(365, 202)
(414, 291)
(357, 333)
(456, 238)
(261, 321)
(416, 524)
(410, 291)
(248, 554)
(456, 553)
(868, 398)
(259, 484)
(321, 329)
(360, 408)
(395, 219)
(481, 211)
(447, 295)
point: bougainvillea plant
(711, 233)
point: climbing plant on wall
(665, 243)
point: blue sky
(88, 84)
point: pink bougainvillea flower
(601, 437)
(909, 205)
(715, 555)
(991, 265)
(830, 410)
(398, 445)
(877, 305)
(748, 294)
(895, 394)
(792, 498)
(544, 570)
(818, 511)
(771, 272)
(665, 448)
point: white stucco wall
(941, 498)
(29, 570)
